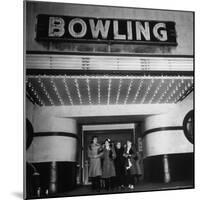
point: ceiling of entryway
(48, 90)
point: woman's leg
(93, 182)
(115, 181)
(132, 180)
(98, 183)
(117, 177)
(112, 182)
(136, 177)
(107, 183)
(128, 178)
(121, 180)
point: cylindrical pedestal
(168, 155)
(54, 153)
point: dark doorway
(121, 135)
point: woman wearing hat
(108, 164)
(119, 165)
(130, 164)
(95, 171)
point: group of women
(112, 165)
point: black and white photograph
(108, 98)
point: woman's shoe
(131, 187)
(122, 187)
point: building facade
(123, 73)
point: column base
(65, 173)
(181, 168)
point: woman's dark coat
(119, 162)
(138, 167)
(132, 156)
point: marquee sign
(82, 29)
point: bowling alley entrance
(115, 132)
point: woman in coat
(138, 167)
(95, 171)
(119, 165)
(108, 164)
(130, 164)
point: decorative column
(167, 152)
(54, 153)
